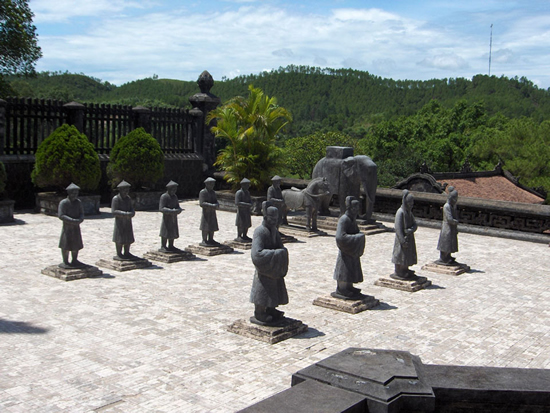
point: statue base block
(331, 223)
(126, 265)
(455, 269)
(347, 306)
(288, 327)
(209, 251)
(169, 257)
(292, 230)
(70, 274)
(413, 285)
(286, 239)
(239, 244)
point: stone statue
(448, 238)
(404, 248)
(170, 208)
(243, 202)
(123, 210)
(309, 198)
(71, 213)
(275, 196)
(209, 221)
(270, 258)
(351, 245)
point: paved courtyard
(155, 340)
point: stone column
(142, 118)
(3, 105)
(206, 102)
(75, 115)
(197, 130)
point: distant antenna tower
(490, 48)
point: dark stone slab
(126, 265)
(330, 224)
(347, 306)
(455, 269)
(70, 274)
(299, 231)
(489, 389)
(392, 381)
(209, 250)
(169, 257)
(411, 286)
(339, 152)
(311, 396)
(288, 327)
(239, 244)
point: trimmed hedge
(136, 158)
(66, 156)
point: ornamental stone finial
(205, 82)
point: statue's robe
(351, 245)
(169, 225)
(448, 237)
(243, 202)
(270, 258)
(208, 203)
(404, 255)
(123, 232)
(71, 238)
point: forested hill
(329, 99)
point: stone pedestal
(169, 256)
(288, 327)
(331, 223)
(412, 285)
(391, 381)
(455, 269)
(239, 244)
(347, 306)
(209, 251)
(69, 274)
(286, 239)
(126, 265)
(296, 231)
(6, 211)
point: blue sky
(124, 40)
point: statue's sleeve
(272, 263)
(400, 226)
(349, 244)
(448, 211)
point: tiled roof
(492, 187)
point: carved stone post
(3, 105)
(142, 118)
(75, 115)
(197, 130)
(206, 102)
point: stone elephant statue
(346, 174)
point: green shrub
(138, 159)
(66, 156)
(3, 178)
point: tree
(251, 126)
(19, 48)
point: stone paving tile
(155, 340)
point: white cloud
(283, 53)
(449, 61)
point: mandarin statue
(270, 258)
(448, 237)
(209, 221)
(170, 208)
(351, 245)
(275, 196)
(70, 211)
(243, 220)
(404, 249)
(123, 210)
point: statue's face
(209, 185)
(245, 186)
(354, 207)
(124, 191)
(73, 194)
(172, 190)
(409, 201)
(276, 184)
(271, 217)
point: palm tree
(250, 125)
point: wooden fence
(27, 122)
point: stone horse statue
(308, 198)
